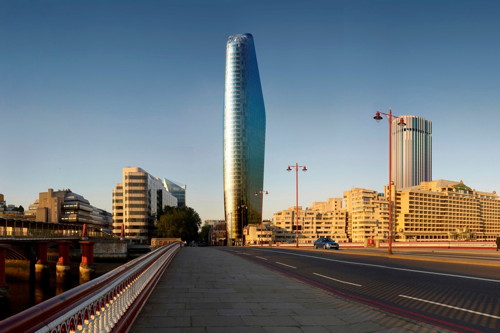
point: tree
(205, 233)
(182, 222)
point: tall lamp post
(242, 207)
(261, 193)
(304, 168)
(390, 117)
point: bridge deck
(209, 290)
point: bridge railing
(35, 229)
(109, 303)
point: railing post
(4, 287)
(62, 266)
(42, 264)
(87, 268)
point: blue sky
(89, 87)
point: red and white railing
(109, 303)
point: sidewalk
(209, 290)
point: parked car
(326, 243)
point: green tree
(205, 233)
(182, 222)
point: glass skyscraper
(411, 151)
(244, 136)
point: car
(326, 243)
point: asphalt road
(456, 296)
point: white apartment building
(136, 203)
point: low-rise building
(65, 206)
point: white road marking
(330, 278)
(280, 263)
(388, 267)
(450, 306)
(260, 258)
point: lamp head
(289, 169)
(377, 117)
(304, 168)
(401, 122)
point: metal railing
(109, 303)
(33, 229)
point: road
(456, 294)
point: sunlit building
(444, 209)
(411, 151)
(137, 200)
(65, 206)
(321, 219)
(367, 214)
(244, 136)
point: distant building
(137, 200)
(367, 214)
(411, 151)
(64, 206)
(244, 136)
(177, 190)
(322, 219)
(446, 210)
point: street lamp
(401, 122)
(242, 224)
(304, 168)
(261, 193)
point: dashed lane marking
(450, 306)
(282, 264)
(330, 278)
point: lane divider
(261, 258)
(282, 264)
(450, 306)
(330, 278)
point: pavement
(206, 289)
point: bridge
(275, 289)
(29, 241)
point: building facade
(321, 219)
(244, 136)
(177, 190)
(446, 210)
(137, 200)
(65, 206)
(411, 151)
(367, 214)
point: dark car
(326, 243)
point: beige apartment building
(446, 210)
(137, 200)
(435, 210)
(367, 214)
(321, 219)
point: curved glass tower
(244, 136)
(411, 151)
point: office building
(244, 136)
(411, 151)
(65, 206)
(177, 190)
(137, 200)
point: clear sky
(89, 87)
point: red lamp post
(304, 168)
(261, 193)
(401, 122)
